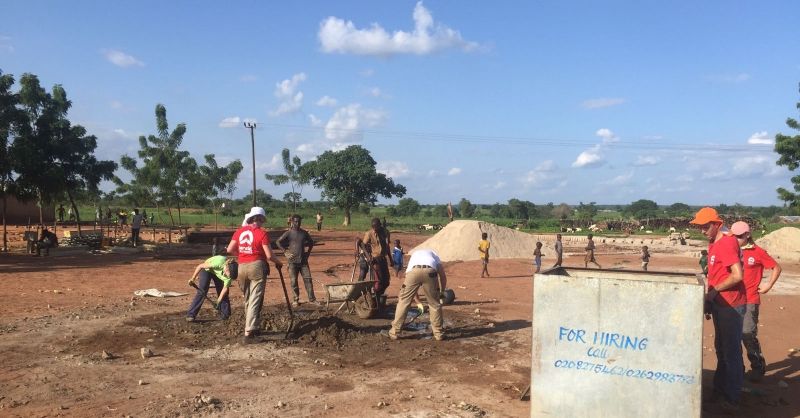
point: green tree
(466, 208)
(642, 209)
(52, 157)
(517, 209)
(211, 181)
(348, 178)
(166, 172)
(10, 118)
(586, 211)
(679, 209)
(562, 211)
(788, 149)
(291, 168)
(407, 207)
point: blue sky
(556, 101)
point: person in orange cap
(725, 299)
(755, 260)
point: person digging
(222, 271)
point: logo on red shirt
(751, 261)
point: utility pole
(252, 126)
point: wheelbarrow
(358, 297)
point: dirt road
(59, 314)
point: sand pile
(458, 241)
(783, 244)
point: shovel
(288, 305)
(213, 302)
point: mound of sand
(458, 241)
(783, 243)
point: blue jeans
(729, 375)
(203, 283)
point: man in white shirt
(136, 226)
(424, 270)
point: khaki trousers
(427, 279)
(253, 280)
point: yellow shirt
(483, 246)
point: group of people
(250, 253)
(735, 267)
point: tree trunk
(171, 219)
(179, 214)
(5, 232)
(346, 217)
(75, 211)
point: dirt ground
(58, 315)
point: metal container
(616, 344)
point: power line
(529, 141)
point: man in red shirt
(251, 244)
(755, 260)
(726, 300)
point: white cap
(254, 211)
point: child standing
(645, 257)
(704, 261)
(483, 248)
(397, 257)
(537, 256)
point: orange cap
(706, 215)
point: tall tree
(679, 209)
(9, 120)
(788, 148)
(407, 207)
(642, 209)
(291, 168)
(349, 178)
(211, 181)
(586, 211)
(166, 171)
(466, 208)
(562, 211)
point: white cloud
(339, 36)
(499, 185)
(592, 157)
(620, 180)
(714, 175)
(607, 135)
(760, 138)
(345, 124)
(123, 134)
(286, 92)
(393, 169)
(234, 122)
(643, 160)
(248, 78)
(454, 171)
(327, 101)
(653, 137)
(5, 44)
(274, 163)
(755, 165)
(544, 174)
(730, 78)
(434, 173)
(376, 92)
(602, 102)
(315, 121)
(121, 59)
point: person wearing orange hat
(755, 260)
(725, 299)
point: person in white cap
(250, 244)
(755, 260)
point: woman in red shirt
(755, 260)
(251, 244)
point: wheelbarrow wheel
(365, 306)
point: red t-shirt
(721, 256)
(250, 240)
(754, 261)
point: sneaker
(190, 319)
(249, 339)
(389, 335)
(295, 304)
(438, 337)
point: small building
(22, 213)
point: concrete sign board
(616, 344)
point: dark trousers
(729, 375)
(380, 267)
(363, 269)
(302, 269)
(750, 339)
(319, 226)
(203, 283)
(135, 236)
